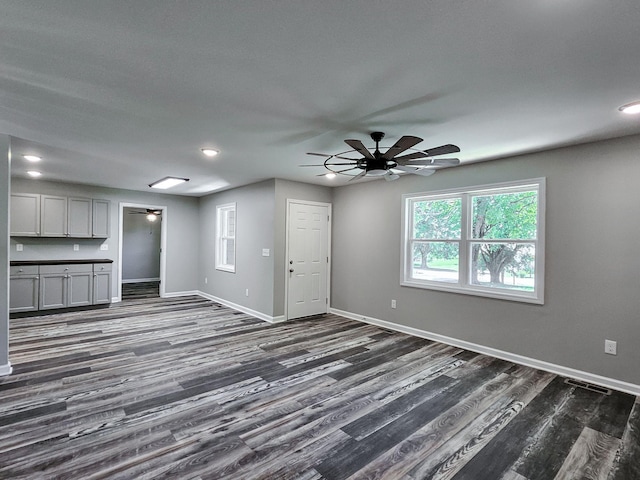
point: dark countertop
(24, 263)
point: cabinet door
(23, 293)
(101, 218)
(53, 216)
(25, 215)
(101, 287)
(53, 290)
(80, 288)
(79, 223)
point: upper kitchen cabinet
(101, 218)
(80, 221)
(34, 215)
(25, 215)
(53, 216)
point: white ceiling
(120, 94)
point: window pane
(435, 261)
(503, 265)
(231, 223)
(437, 219)
(229, 251)
(505, 215)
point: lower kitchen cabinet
(24, 285)
(51, 286)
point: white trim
(6, 369)
(116, 299)
(185, 293)
(222, 225)
(241, 308)
(164, 216)
(607, 382)
(140, 280)
(286, 251)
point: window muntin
(226, 237)
(483, 241)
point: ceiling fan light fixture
(32, 158)
(210, 152)
(330, 175)
(152, 217)
(630, 108)
(168, 182)
(376, 173)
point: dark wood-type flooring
(186, 388)
(136, 290)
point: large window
(226, 237)
(486, 241)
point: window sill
(476, 291)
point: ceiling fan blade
(313, 165)
(425, 172)
(320, 154)
(442, 150)
(446, 162)
(360, 175)
(404, 168)
(401, 145)
(359, 146)
(345, 158)
(389, 176)
(411, 156)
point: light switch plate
(104, 246)
(76, 247)
(265, 252)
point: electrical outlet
(76, 247)
(393, 304)
(19, 247)
(206, 280)
(611, 347)
(246, 292)
(104, 246)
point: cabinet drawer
(66, 268)
(101, 267)
(24, 270)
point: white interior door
(308, 259)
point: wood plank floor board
(187, 388)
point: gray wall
(5, 186)
(140, 245)
(182, 225)
(254, 231)
(592, 262)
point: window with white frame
(226, 237)
(486, 241)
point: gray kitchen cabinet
(53, 286)
(80, 217)
(25, 215)
(23, 288)
(101, 283)
(101, 218)
(80, 285)
(53, 216)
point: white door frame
(163, 242)
(286, 252)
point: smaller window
(226, 237)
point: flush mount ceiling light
(209, 152)
(168, 182)
(630, 108)
(32, 158)
(33, 173)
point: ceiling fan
(152, 214)
(388, 164)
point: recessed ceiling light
(33, 173)
(168, 182)
(209, 152)
(630, 108)
(32, 158)
(330, 175)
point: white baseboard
(6, 369)
(141, 280)
(511, 357)
(180, 294)
(242, 308)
